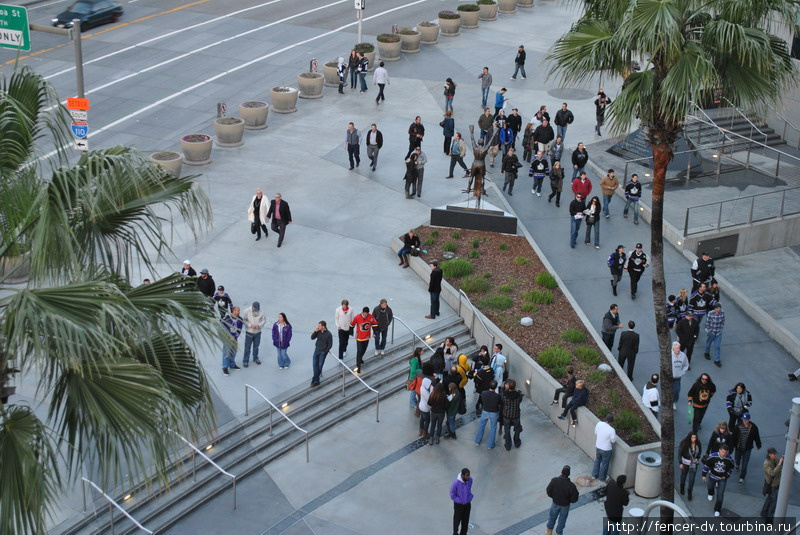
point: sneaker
(718, 364)
(555, 402)
(608, 216)
(574, 423)
(741, 481)
(625, 216)
(533, 191)
(235, 367)
(512, 78)
(524, 78)
(716, 513)
(596, 246)
(246, 364)
(257, 362)
(377, 353)
(538, 194)
(280, 367)
(707, 356)
(382, 352)
(225, 371)
(711, 497)
(561, 417)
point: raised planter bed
(369, 52)
(254, 113)
(429, 32)
(389, 46)
(487, 9)
(329, 70)
(409, 40)
(229, 131)
(310, 84)
(449, 23)
(507, 6)
(196, 149)
(284, 99)
(525, 3)
(169, 160)
(469, 15)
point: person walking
(233, 324)
(609, 185)
(721, 436)
(700, 395)
(611, 323)
(380, 77)
(687, 329)
(690, 451)
(425, 389)
(486, 84)
(637, 262)
(745, 436)
(514, 122)
(579, 398)
(458, 150)
(527, 143)
(500, 99)
(341, 72)
(605, 436)
(601, 103)
(374, 144)
(563, 493)
(411, 246)
(461, 494)
(592, 217)
(449, 94)
(616, 500)
(507, 138)
(701, 303)
(680, 364)
(519, 63)
(323, 343)
(363, 67)
(543, 136)
(576, 209)
(187, 270)
(538, 170)
(556, 183)
(564, 118)
(223, 302)
(651, 397)
(580, 157)
(511, 414)
(257, 214)
(717, 469)
(582, 185)
(281, 216)
(410, 177)
(715, 322)
(352, 144)
(342, 318)
(352, 65)
(616, 263)
(384, 316)
(434, 288)
(363, 324)
(206, 284)
(628, 348)
(419, 167)
(448, 125)
(567, 387)
(737, 403)
(633, 192)
(491, 404)
(557, 150)
(772, 481)
(281, 339)
(415, 134)
(703, 270)
(485, 123)
(254, 322)
(510, 168)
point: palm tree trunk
(662, 154)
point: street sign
(14, 32)
(78, 103)
(361, 4)
(82, 144)
(80, 129)
(78, 115)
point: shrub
(496, 302)
(602, 412)
(554, 357)
(456, 268)
(473, 254)
(429, 242)
(547, 280)
(504, 247)
(475, 243)
(468, 7)
(450, 246)
(614, 398)
(427, 24)
(364, 47)
(407, 31)
(486, 2)
(627, 420)
(637, 437)
(475, 284)
(522, 261)
(530, 308)
(388, 38)
(447, 14)
(435, 234)
(505, 288)
(588, 355)
(487, 275)
(558, 372)
(455, 235)
(540, 297)
(574, 336)
(597, 377)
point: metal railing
(418, 337)
(354, 374)
(742, 211)
(111, 505)
(746, 118)
(271, 407)
(786, 124)
(650, 159)
(195, 452)
(474, 315)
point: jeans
(560, 512)
(596, 227)
(283, 358)
(353, 152)
(380, 339)
(716, 340)
(344, 339)
(518, 68)
(254, 340)
(448, 103)
(676, 389)
(687, 472)
(434, 304)
(575, 227)
(628, 203)
(461, 517)
(318, 361)
(602, 459)
(372, 154)
(361, 348)
(768, 509)
(437, 419)
(363, 77)
(610, 527)
(229, 354)
(420, 177)
(492, 418)
(412, 399)
(509, 178)
(576, 172)
(484, 96)
(537, 183)
(561, 131)
(451, 423)
(720, 484)
(507, 424)
(353, 78)
(380, 93)
(424, 420)
(741, 459)
(606, 203)
(456, 158)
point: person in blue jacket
(579, 399)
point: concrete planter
(389, 51)
(525, 3)
(371, 58)
(15, 269)
(254, 113)
(310, 84)
(170, 161)
(429, 34)
(409, 42)
(487, 11)
(230, 131)
(329, 70)
(469, 19)
(196, 149)
(284, 99)
(507, 6)
(450, 27)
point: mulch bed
(510, 265)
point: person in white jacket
(257, 214)
(380, 78)
(651, 397)
(498, 364)
(680, 364)
(254, 321)
(342, 318)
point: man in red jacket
(363, 323)
(582, 185)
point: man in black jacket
(611, 323)
(563, 492)
(519, 63)
(544, 135)
(509, 167)
(628, 348)
(637, 262)
(205, 283)
(281, 216)
(415, 134)
(323, 343)
(579, 159)
(702, 271)
(576, 209)
(745, 435)
(687, 329)
(616, 500)
(564, 118)
(435, 288)
(511, 414)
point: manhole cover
(571, 93)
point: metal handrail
(745, 118)
(377, 394)
(197, 451)
(272, 406)
(474, 315)
(730, 133)
(418, 337)
(786, 122)
(111, 505)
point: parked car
(90, 12)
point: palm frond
(579, 54)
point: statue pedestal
(467, 215)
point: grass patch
(496, 302)
(474, 253)
(475, 243)
(574, 336)
(597, 377)
(588, 355)
(475, 284)
(530, 308)
(559, 372)
(554, 357)
(522, 261)
(457, 267)
(429, 241)
(455, 235)
(602, 412)
(504, 247)
(627, 420)
(450, 247)
(505, 288)
(637, 437)
(540, 297)
(435, 234)
(614, 398)
(487, 275)
(547, 280)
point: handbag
(766, 489)
(253, 227)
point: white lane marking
(45, 5)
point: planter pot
(525, 3)
(170, 161)
(409, 43)
(371, 58)
(507, 6)
(196, 149)
(487, 12)
(331, 74)
(389, 51)
(230, 131)
(254, 113)
(429, 35)
(310, 84)
(15, 269)
(469, 19)
(450, 27)
(284, 99)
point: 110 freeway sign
(14, 31)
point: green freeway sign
(14, 31)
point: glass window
(81, 8)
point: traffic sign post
(14, 32)
(360, 6)
(79, 111)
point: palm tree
(113, 363)
(688, 49)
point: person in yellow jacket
(464, 368)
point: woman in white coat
(257, 214)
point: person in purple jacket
(234, 324)
(281, 336)
(461, 494)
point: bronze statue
(477, 172)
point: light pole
(360, 6)
(787, 474)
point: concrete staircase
(243, 446)
(702, 135)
